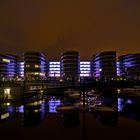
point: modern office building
(85, 68)
(54, 69)
(70, 65)
(8, 66)
(34, 65)
(104, 65)
(130, 66)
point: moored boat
(106, 110)
(66, 109)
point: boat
(70, 93)
(130, 91)
(66, 109)
(93, 93)
(104, 109)
(4, 115)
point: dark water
(38, 119)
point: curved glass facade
(70, 65)
(104, 65)
(8, 66)
(130, 66)
(35, 65)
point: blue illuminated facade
(130, 66)
(8, 66)
(53, 103)
(85, 68)
(104, 65)
(54, 69)
(35, 65)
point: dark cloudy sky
(53, 26)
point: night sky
(53, 26)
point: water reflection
(21, 109)
(7, 112)
(105, 119)
(120, 104)
(31, 111)
(53, 103)
(129, 107)
(70, 119)
(34, 113)
(34, 110)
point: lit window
(21, 72)
(42, 74)
(27, 66)
(100, 70)
(54, 63)
(54, 69)
(36, 73)
(57, 75)
(4, 116)
(7, 104)
(22, 63)
(36, 66)
(85, 69)
(6, 60)
(7, 91)
(84, 75)
(85, 62)
(51, 75)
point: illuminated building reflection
(53, 103)
(120, 104)
(34, 112)
(71, 119)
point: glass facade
(21, 69)
(35, 65)
(8, 66)
(54, 69)
(104, 65)
(85, 69)
(130, 66)
(70, 65)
